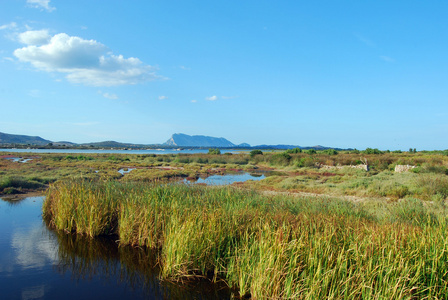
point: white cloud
(194, 101)
(85, 61)
(163, 97)
(63, 53)
(8, 26)
(41, 4)
(212, 98)
(34, 37)
(110, 96)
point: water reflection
(35, 292)
(125, 170)
(86, 258)
(38, 263)
(34, 248)
(19, 159)
(226, 179)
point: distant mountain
(184, 140)
(6, 138)
(176, 140)
(243, 145)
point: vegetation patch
(267, 247)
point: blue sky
(335, 73)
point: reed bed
(267, 247)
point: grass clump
(267, 247)
(20, 184)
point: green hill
(8, 139)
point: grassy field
(324, 172)
(275, 247)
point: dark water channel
(38, 263)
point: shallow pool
(227, 179)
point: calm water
(227, 178)
(37, 263)
(86, 151)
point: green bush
(372, 151)
(79, 157)
(183, 159)
(214, 151)
(294, 151)
(255, 152)
(304, 162)
(201, 160)
(116, 158)
(281, 159)
(331, 152)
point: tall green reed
(267, 247)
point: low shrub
(255, 152)
(331, 152)
(214, 151)
(280, 159)
(294, 151)
(372, 151)
(304, 162)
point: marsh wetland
(307, 226)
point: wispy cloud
(163, 97)
(212, 98)
(86, 62)
(194, 101)
(110, 96)
(41, 4)
(387, 58)
(11, 25)
(184, 68)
